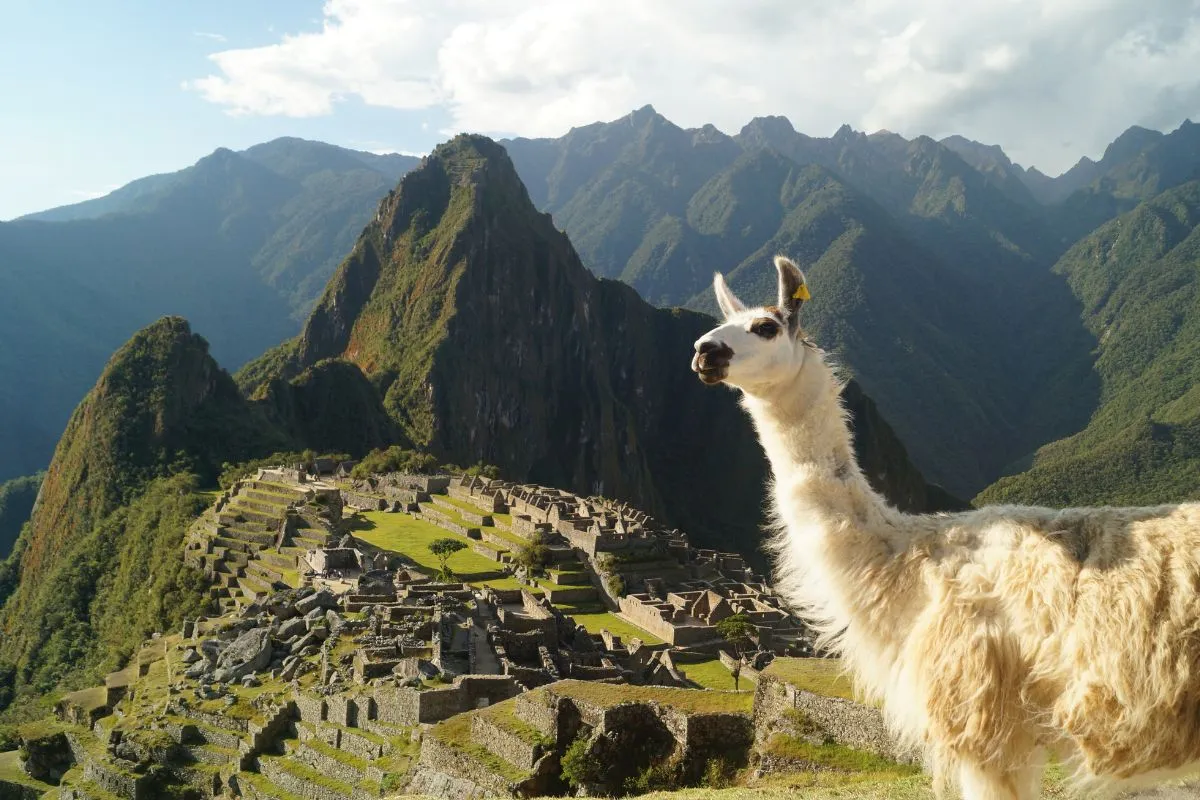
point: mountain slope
(240, 244)
(1138, 278)
(16, 504)
(161, 420)
(488, 341)
(935, 273)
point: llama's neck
(837, 537)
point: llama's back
(1086, 621)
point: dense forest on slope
(123, 483)
(934, 273)
(16, 504)
(240, 244)
(1139, 280)
(487, 340)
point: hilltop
(488, 341)
(240, 244)
(114, 504)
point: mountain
(1138, 165)
(240, 244)
(114, 505)
(933, 266)
(486, 339)
(16, 504)
(1138, 280)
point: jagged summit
(487, 340)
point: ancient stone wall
(777, 704)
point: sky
(95, 95)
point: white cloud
(215, 37)
(1031, 75)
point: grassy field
(410, 537)
(694, 700)
(712, 674)
(594, 619)
(821, 676)
(10, 771)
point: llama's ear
(793, 290)
(726, 300)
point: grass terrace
(821, 676)
(456, 732)
(693, 700)
(712, 674)
(595, 618)
(410, 537)
(11, 772)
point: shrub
(615, 584)
(395, 459)
(579, 766)
(532, 555)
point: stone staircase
(247, 544)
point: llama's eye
(766, 327)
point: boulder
(293, 627)
(289, 667)
(196, 670)
(321, 599)
(309, 639)
(190, 656)
(249, 653)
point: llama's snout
(711, 361)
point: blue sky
(90, 101)
(94, 95)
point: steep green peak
(1129, 145)
(161, 405)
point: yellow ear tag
(802, 293)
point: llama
(993, 638)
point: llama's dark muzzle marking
(711, 361)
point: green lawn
(10, 770)
(712, 674)
(821, 676)
(595, 618)
(409, 536)
(692, 700)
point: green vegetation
(712, 674)
(738, 631)
(823, 676)
(692, 700)
(442, 549)
(456, 732)
(411, 537)
(395, 459)
(240, 244)
(11, 772)
(833, 756)
(1136, 278)
(597, 618)
(100, 568)
(16, 504)
(232, 473)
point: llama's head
(755, 348)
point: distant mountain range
(934, 263)
(463, 323)
(240, 244)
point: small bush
(532, 556)
(615, 584)
(9, 738)
(395, 459)
(579, 767)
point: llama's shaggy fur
(993, 637)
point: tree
(738, 631)
(443, 549)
